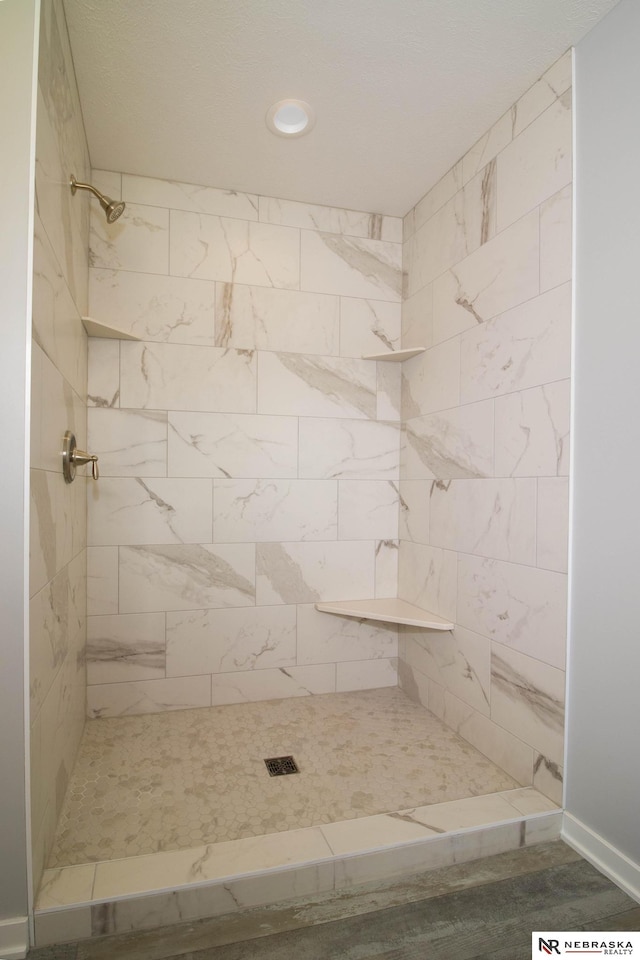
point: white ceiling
(179, 89)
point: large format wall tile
(232, 445)
(532, 431)
(428, 577)
(227, 641)
(333, 639)
(459, 662)
(218, 248)
(129, 443)
(349, 449)
(311, 216)
(456, 443)
(273, 684)
(152, 307)
(351, 267)
(292, 384)
(148, 696)
(269, 510)
(189, 196)
(431, 381)
(490, 518)
(172, 577)
(366, 509)
(138, 241)
(308, 572)
(158, 510)
(127, 647)
(521, 607)
(260, 318)
(368, 326)
(163, 376)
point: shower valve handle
(73, 458)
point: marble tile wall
(485, 449)
(59, 386)
(249, 455)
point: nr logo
(548, 946)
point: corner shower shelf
(95, 328)
(388, 610)
(396, 356)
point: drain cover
(281, 766)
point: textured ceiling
(179, 88)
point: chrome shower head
(112, 208)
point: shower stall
(259, 458)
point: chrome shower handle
(72, 458)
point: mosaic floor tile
(166, 781)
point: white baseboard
(606, 858)
(14, 938)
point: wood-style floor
(484, 910)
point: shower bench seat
(388, 610)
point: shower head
(112, 208)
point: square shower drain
(281, 766)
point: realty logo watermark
(604, 943)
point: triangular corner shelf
(396, 356)
(95, 328)
(388, 610)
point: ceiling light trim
(290, 118)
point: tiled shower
(253, 464)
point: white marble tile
(102, 580)
(464, 223)
(536, 164)
(217, 248)
(543, 829)
(497, 276)
(427, 577)
(147, 696)
(125, 647)
(431, 381)
(131, 510)
(368, 326)
(213, 862)
(351, 267)
(154, 307)
(410, 858)
(465, 814)
(387, 561)
(232, 445)
(325, 638)
(417, 319)
(414, 510)
(389, 386)
(452, 444)
(409, 224)
(559, 75)
(556, 239)
(349, 449)
(553, 523)
(173, 376)
(138, 240)
(527, 698)
(310, 216)
(129, 443)
(44, 549)
(489, 518)
(62, 926)
(109, 182)
(532, 431)
(186, 577)
(487, 147)
(459, 661)
(366, 674)
(351, 837)
(279, 887)
(309, 572)
(49, 636)
(66, 885)
(528, 801)
(487, 842)
(57, 327)
(548, 778)
(512, 754)
(304, 385)
(189, 196)
(367, 509)
(531, 104)
(262, 318)
(273, 684)
(268, 510)
(54, 408)
(446, 188)
(519, 606)
(104, 373)
(525, 347)
(227, 641)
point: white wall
(17, 106)
(603, 773)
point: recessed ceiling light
(290, 118)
